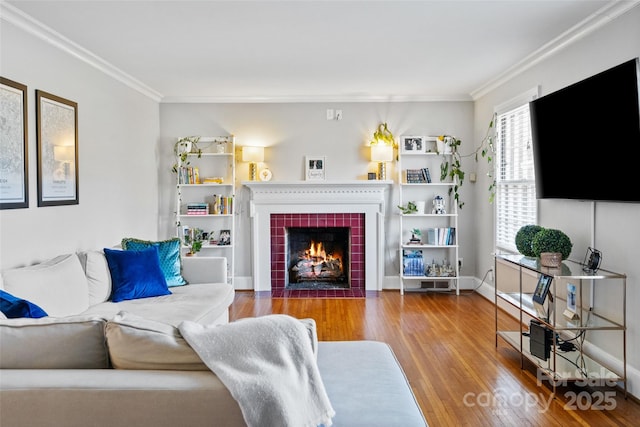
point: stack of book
(197, 208)
(418, 176)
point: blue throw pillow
(14, 307)
(169, 254)
(135, 274)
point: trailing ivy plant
(452, 168)
(182, 148)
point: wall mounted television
(586, 138)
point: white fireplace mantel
(367, 197)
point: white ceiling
(253, 51)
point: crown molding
(309, 98)
(25, 22)
(590, 24)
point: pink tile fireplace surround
(360, 205)
(279, 224)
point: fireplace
(276, 208)
(342, 234)
(317, 258)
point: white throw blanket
(268, 365)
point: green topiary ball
(524, 238)
(551, 240)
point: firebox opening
(318, 257)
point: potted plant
(410, 208)
(182, 148)
(552, 246)
(451, 166)
(524, 239)
(194, 246)
(193, 240)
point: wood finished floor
(446, 346)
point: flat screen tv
(586, 138)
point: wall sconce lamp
(253, 155)
(382, 154)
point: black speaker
(540, 338)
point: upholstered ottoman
(366, 385)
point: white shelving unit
(214, 186)
(515, 280)
(440, 268)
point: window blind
(515, 180)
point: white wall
(117, 133)
(617, 225)
(291, 131)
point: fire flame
(316, 250)
(318, 254)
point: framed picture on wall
(315, 168)
(14, 181)
(57, 142)
(412, 144)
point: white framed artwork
(315, 168)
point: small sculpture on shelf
(440, 270)
(439, 205)
(416, 237)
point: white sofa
(124, 364)
(75, 284)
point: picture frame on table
(57, 150)
(315, 168)
(412, 144)
(14, 178)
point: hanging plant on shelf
(182, 148)
(451, 166)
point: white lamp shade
(252, 154)
(63, 153)
(381, 153)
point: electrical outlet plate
(330, 113)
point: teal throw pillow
(14, 307)
(169, 254)
(135, 274)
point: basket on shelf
(551, 259)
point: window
(515, 180)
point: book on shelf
(222, 205)
(418, 176)
(188, 175)
(197, 209)
(441, 236)
(412, 263)
(427, 175)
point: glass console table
(567, 315)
